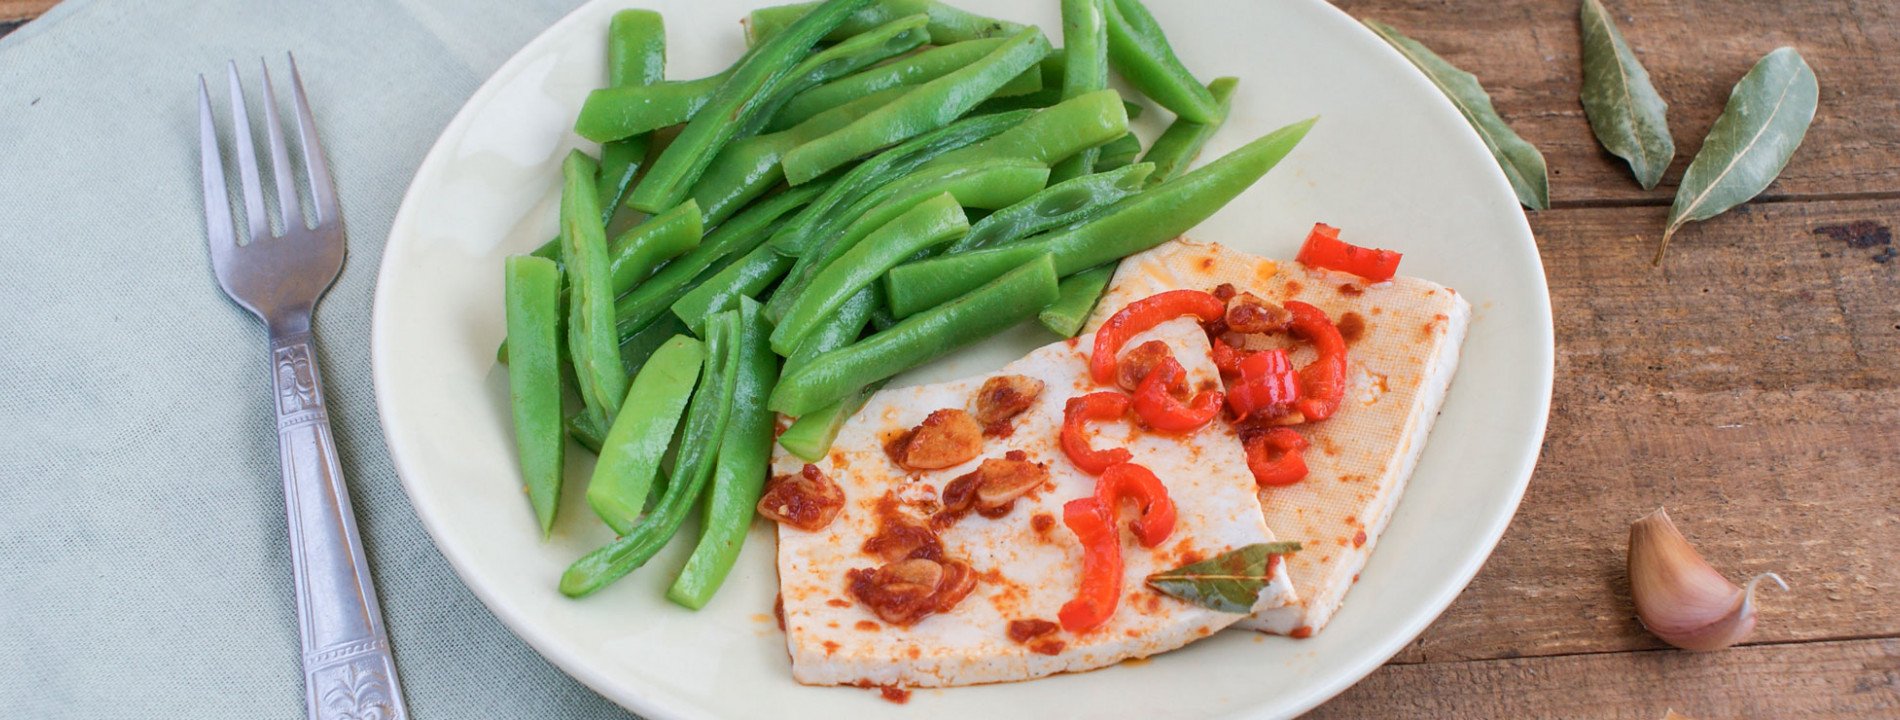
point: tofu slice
(1028, 562)
(1403, 353)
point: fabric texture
(144, 570)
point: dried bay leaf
(1629, 118)
(1229, 582)
(1767, 115)
(1523, 165)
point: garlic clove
(1679, 596)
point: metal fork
(348, 671)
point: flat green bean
(811, 435)
(1140, 51)
(933, 222)
(1118, 153)
(903, 72)
(1177, 147)
(947, 24)
(824, 215)
(1058, 205)
(925, 107)
(747, 278)
(640, 250)
(636, 48)
(764, 71)
(1145, 220)
(591, 344)
(704, 428)
(748, 168)
(634, 445)
(1085, 70)
(637, 350)
(613, 113)
(534, 380)
(745, 454)
(926, 336)
(1076, 298)
(840, 329)
(1053, 133)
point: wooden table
(1751, 384)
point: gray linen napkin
(143, 566)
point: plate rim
(657, 706)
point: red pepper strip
(1275, 458)
(1323, 381)
(1143, 314)
(1155, 403)
(1267, 387)
(1103, 405)
(1226, 358)
(1135, 482)
(1101, 587)
(1324, 249)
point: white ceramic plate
(1391, 162)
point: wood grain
(1526, 52)
(24, 9)
(1855, 679)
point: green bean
(616, 112)
(583, 431)
(1056, 206)
(947, 24)
(822, 217)
(996, 184)
(1077, 296)
(637, 350)
(634, 445)
(636, 48)
(1085, 70)
(641, 249)
(1118, 153)
(534, 380)
(1177, 147)
(839, 329)
(763, 71)
(590, 340)
(704, 428)
(748, 168)
(739, 476)
(1053, 133)
(620, 162)
(1145, 220)
(811, 435)
(923, 337)
(931, 223)
(903, 72)
(737, 236)
(1140, 51)
(743, 279)
(925, 107)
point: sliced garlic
(1679, 597)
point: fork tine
(322, 190)
(289, 205)
(247, 160)
(219, 230)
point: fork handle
(348, 671)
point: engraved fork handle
(348, 671)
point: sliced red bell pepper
(1131, 481)
(1267, 387)
(1324, 249)
(1155, 403)
(1275, 457)
(1323, 381)
(1101, 587)
(1226, 358)
(1143, 314)
(1104, 405)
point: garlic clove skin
(1679, 596)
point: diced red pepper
(1141, 315)
(1104, 405)
(1226, 358)
(1101, 587)
(1267, 387)
(1131, 481)
(1155, 403)
(1323, 381)
(1275, 457)
(1324, 249)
